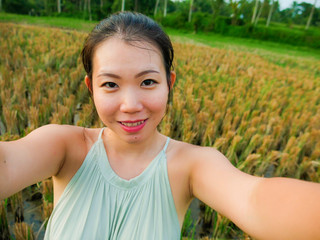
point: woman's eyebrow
(145, 72)
(118, 77)
(108, 75)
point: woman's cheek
(104, 105)
(160, 103)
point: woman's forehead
(116, 52)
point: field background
(257, 102)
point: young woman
(128, 181)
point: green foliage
(188, 227)
(204, 22)
(177, 20)
(17, 6)
(4, 227)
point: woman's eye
(148, 82)
(111, 85)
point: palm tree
(122, 5)
(156, 7)
(255, 12)
(165, 8)
(89, 8)
(190, 11)
(59, 6)
(235, 11)
(311, 15)
(270, 13)
(258, 16)
(136, 5)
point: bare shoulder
(212, 178)
(195, 171)
(76, 142)
(187, 153)
(66, 134)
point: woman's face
(129, 88)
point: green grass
(263, 48)
(244, 44)
(60, 22)
(280, 54)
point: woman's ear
(172, 78)
(88, 83)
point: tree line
(259, 19)
(239, 12)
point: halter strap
(100, 134)
(166, 145)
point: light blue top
(98, 204)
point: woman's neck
(144, 149)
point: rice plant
(264, 117)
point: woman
(128, 181)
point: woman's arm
(31, 159)
(276, 208)
(284, 208)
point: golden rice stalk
(47, 190)
(209, 135)
(249, 163)
(254, 142)
(235, 122)
(266, 145)
(165, 126)
(221, 144)
(23, 231)
(201, 123)
(47, 209)
(10, 117)
(87, 115)
(47, 197)
(267, 165)
(232, 150)
(316, 152)
(221, 223)
(4, 227)
(17, 206)
(33, 117)
(304, 168)
(62, 115)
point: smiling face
(129, 88)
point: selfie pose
(127, 180)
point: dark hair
(130, 27)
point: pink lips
(133, 126)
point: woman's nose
(131, 102)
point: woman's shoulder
(73, 140)
(68, 132)
(76, 142)
(190, 152)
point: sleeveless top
(98, 204)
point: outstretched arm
(284, 208)
(275, 208)
(31, 159)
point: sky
(288, 3)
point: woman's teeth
(132, 124)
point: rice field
(262, 112)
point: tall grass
(264, 116)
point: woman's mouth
(133, 126)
